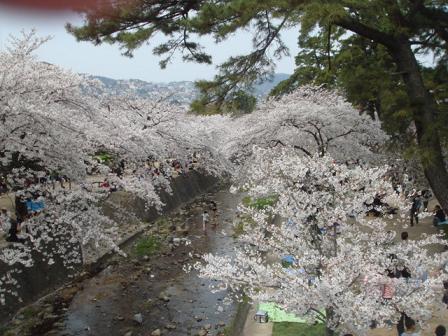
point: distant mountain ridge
(182, 92)
(263, 89)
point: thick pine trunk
(424, 111)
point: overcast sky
(106, 60)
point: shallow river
(168, 299)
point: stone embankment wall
(185, 189)
(41, 279)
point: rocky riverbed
(147, 292)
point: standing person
(440, 331)
(3, 187)
(407, 184)
(415, 208)
(12, 233)
(13, 226)
(61, 180)
(205, 218)
(53, 179)
(156, 165)
(21, 208)
(426, 196)
(445, 294)
(119, 170)
(411, 328)
(401, 270)
(400, 324)
(214, 208)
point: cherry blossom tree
(313, 121)
(36, 98)
(155, 127)
(46, 125)
(346, 266)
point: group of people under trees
(406, 325)
(172, 167)
(419, 201)
(169, 168)
(30, 192)
(29, 200)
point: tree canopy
(130, 24)
(402, 29)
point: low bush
(147, 246)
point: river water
(168, 299)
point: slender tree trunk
(424, 110)
(330, 314)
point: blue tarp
(33, 206)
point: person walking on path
(415, 208)
(214, 208)
(426, 196)
(205, 219)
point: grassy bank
(297, 329)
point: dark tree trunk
(424, 110)
(329, 332)
(330, 315)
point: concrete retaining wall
(41, 279)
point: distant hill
(263, 89)
(179, 92)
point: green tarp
(277, 314)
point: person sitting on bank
(13, 231)
(105, 184)
(439, 215)
(5, 221)
(3, 187)
(113, 187)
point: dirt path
(253, 328)
(156, 290)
